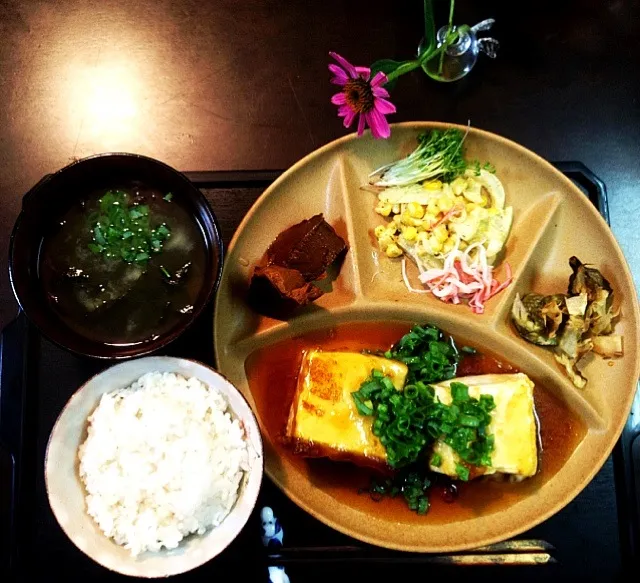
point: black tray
(594, 538)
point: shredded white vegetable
(408, 283)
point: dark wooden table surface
(222, 84)
(243, 85)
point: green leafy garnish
(123, 231)
(168, 197)
(476, 167)
(408, 422)
(439, 155)
(428, 355)
(399, 419)
(413, 486)
(463, 425)
(463, 472)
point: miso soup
(124, 265)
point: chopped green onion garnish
(463, 472)
(408, 422)
(123, 231)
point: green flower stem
(429, 27)
(451, 37)
(406, 67)
(452, 6)
(409, 66)
(431, 49)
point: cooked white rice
(163, 459)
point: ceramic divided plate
(553, 220)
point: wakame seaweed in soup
(123, 265)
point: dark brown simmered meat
(308, 247)
(298, 256)
(272, 283)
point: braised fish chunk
(513, 425)
(323, 419)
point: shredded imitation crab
(462, 278)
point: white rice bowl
(163, 485)
(163, 459)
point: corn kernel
(415, 222)
(448, 245)
(433, 185)
(432, 207)
(415, 210)
(379, 231)
(395, 209)
(397, 220)
(393, 250)
(445, 204)
(434, 244)
(410, 233)
(385, 238)
(384, 242)
(470, 206)
(425, 225)
(384, 209)
(430, 219)
(458, 185)
(406, 218)
(441, 233)
(423, 237)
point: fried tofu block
(513, 424)
(323, 420)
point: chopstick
(515, 552)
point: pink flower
(361, 96)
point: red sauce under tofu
(272, 373)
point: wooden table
(224, 85)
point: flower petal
(383, 106)
(378, 79)
(341, 76)
(378, 124)
(361, 124)
(348, 120)
(344, 109)
(380, 92)
(346, 65)
(364, 72)
(339, 99)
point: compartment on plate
(442, 213)
(306, 393)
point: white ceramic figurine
(272, 532)
(272, 535)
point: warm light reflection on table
(107, 98)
